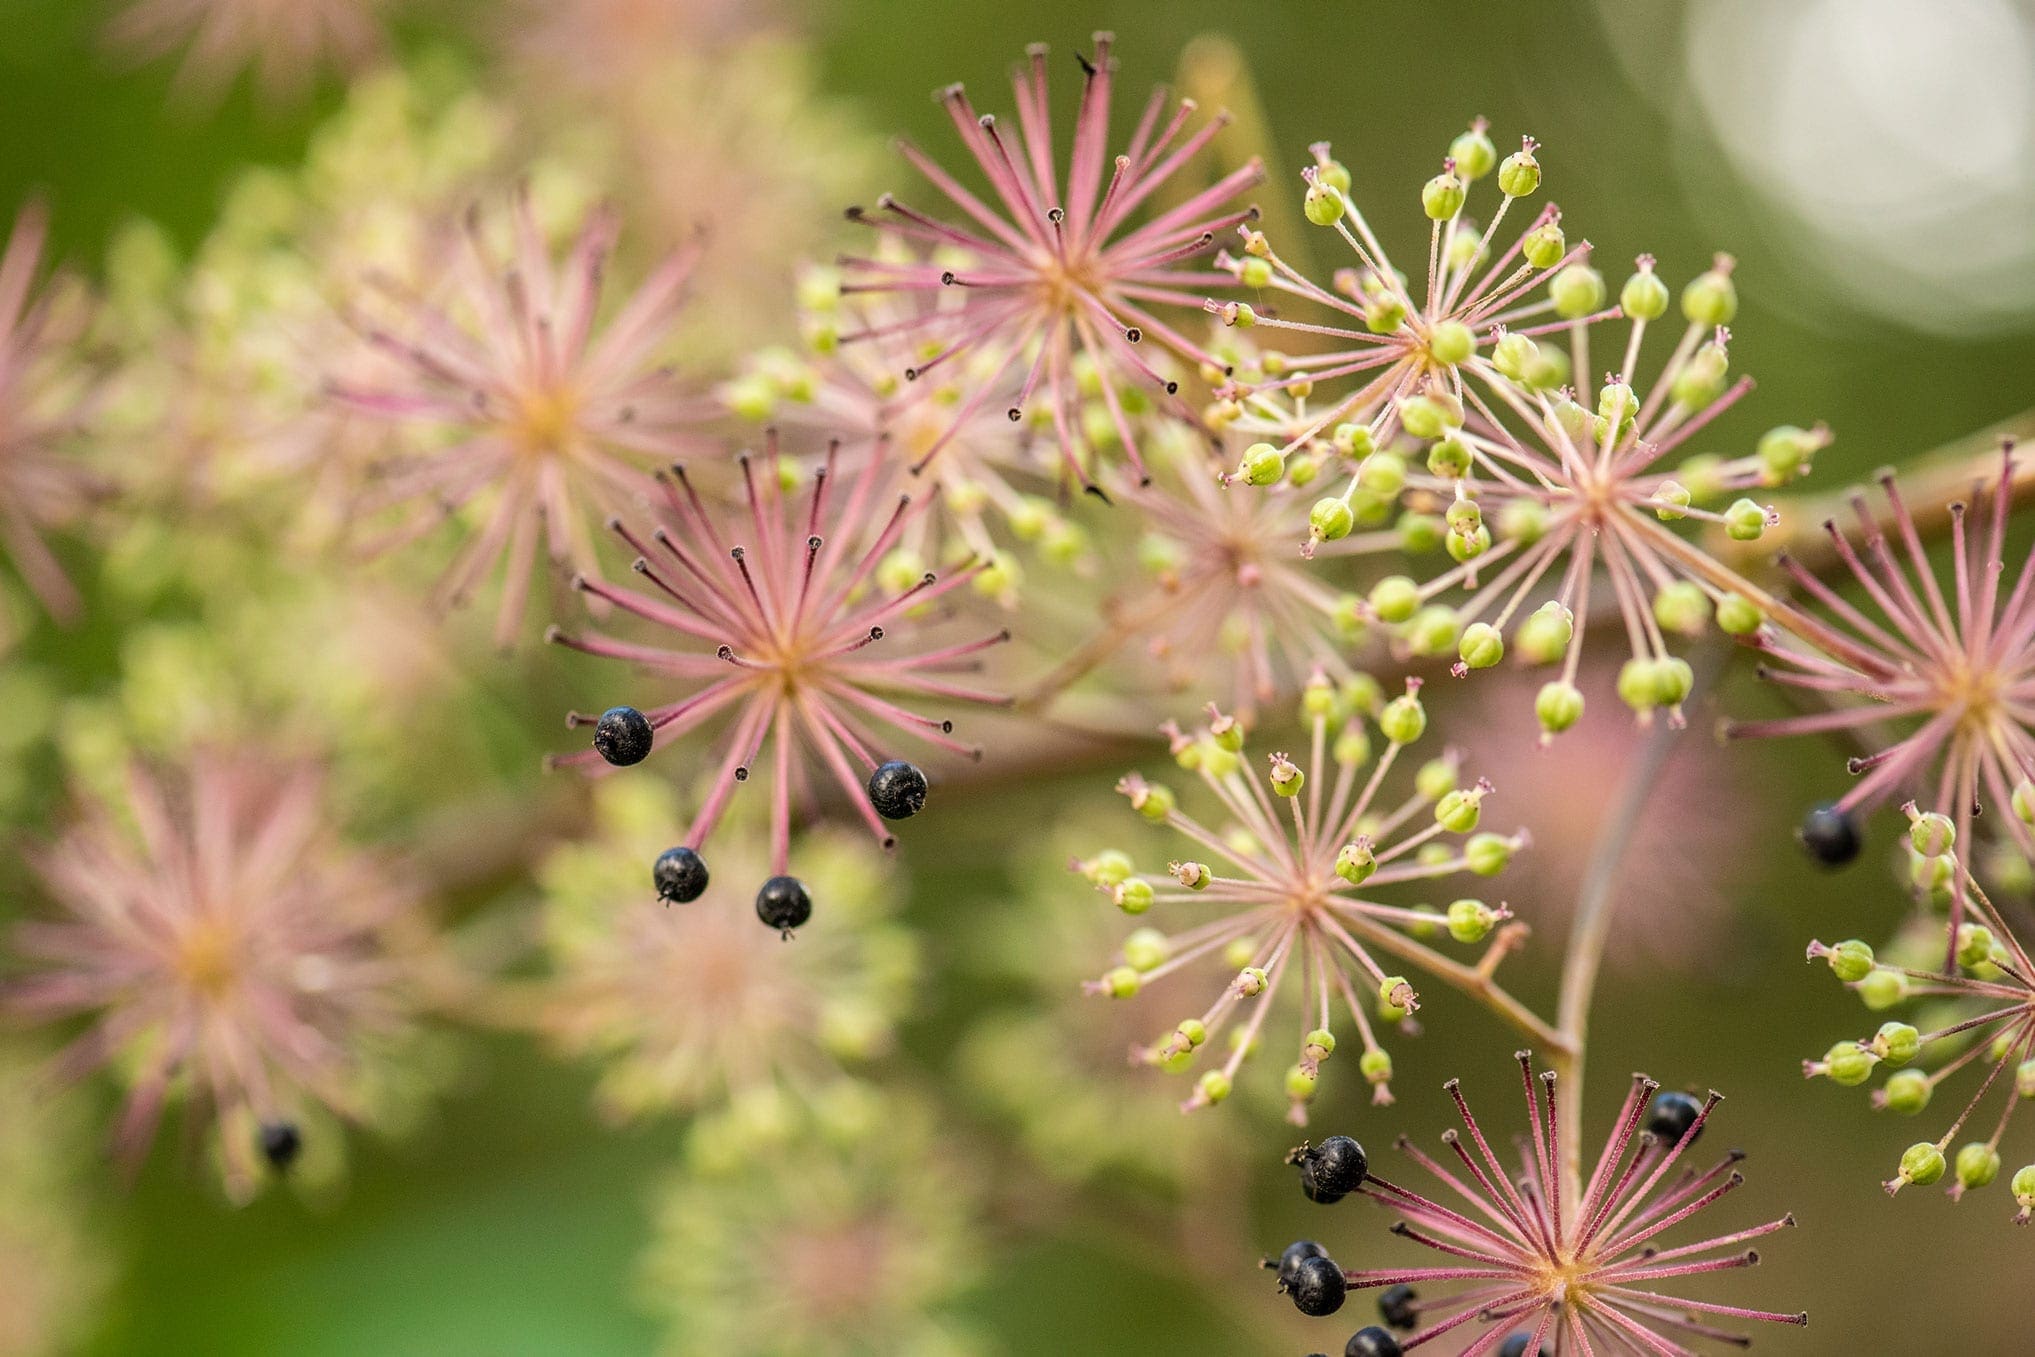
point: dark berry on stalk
(281, 1142)
(1671, 1115)
(1830, 835)
(680, 875)
(1516, 1345)
(1396, 1306)
(1318, 1286)
(783, 904)
(1296, 1253)
(622, 736)
(1332, 1169)
(897, 789)
(1372, 1341)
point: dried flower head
(862, 1249)
(1522, 483)
(1980, 1012)
(1944, 679)
(1056, 273)
(41, 401)
(1298, 905)
(227, 948)
(753, 1012)
(284, 42)
(528, 413)
(1555, 1274)
(778, 631)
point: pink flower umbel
(1567, 1275)
(1054, 272)
(40, 404)
(1524, 483)
(1941, 682)
(285, 42)
(1294, 902)
(226, 948)
(798, 631)
(528, 414)
(1981, 1011)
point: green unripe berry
(1214, 1086)
(1404, 720)
(1434, 629)
(1355, 862)
(1673, 680)
(1544, 246)
(1576, 291)
(1545, 635)
(1644, 296)
(1330, 520)
(1977, 1165)
(1638, 684)
(1376, 1065)
(1458, 811)
(1145, 949)
(1195, 876)
(1932, 834)
(1481, 645)
(1897, 1043)
(1435, 779)
(1488, 854)
(1442, 196)
(1471, 920)
(1153, 800)
(1451, 343)
(1323, 205)
(1300, 1083)
(1383, 473)
(1738, 615)
(1848, 1063)
(1320, 1043)
(1519, 176)
(1133, 896)
(1394, 598)
(1467, 547)
(1784, 453)
(1449, 458)
(1257, 273)
(1851, 960)
(1974, 946)
(1251, 981)
(2024, 1079)
(1427, 416)
(1419, 533)
(1263, 464)
(1286, 777)
(2023, 1188)
(1882, 989)
(1473, 152)
(1352, 747)
(1514, 355)
(1396, 997)
(1122, 983)
(1906, 1092)
(1558, 706)
(1523, 521)
(1710, 298)
(1745, 521)
(1682, 607)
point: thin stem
(1584, 957)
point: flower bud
(1701, 379)
(1558, 706)
(1352, 747)
(1906, 1092)
(1576, 291)
(1638, 684)
(1644, 296)
(1710, 298)
(2024, 1079)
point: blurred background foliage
(514, 1219)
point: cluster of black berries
(623, 736)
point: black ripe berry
(1398, 1306)
(622, 736)
(1318, 1286)
(1331, 1170)
(1517, 1344)
(783, 904)
(1671, 1115)
(1371, 1341)
(1830, 835)
(1296, 1253)
(680, 875)
(897, 789)
(280, 1142)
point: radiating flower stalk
(529, 412)
(795, 620)
(1981, 1013)
(1940, 684)
(284, 42)
(1523, 483)
(1054, 270)
(226, 948)
(1530, 1265)
(1295, 902)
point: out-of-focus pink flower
(226, 947)
(526, 409)
(285, 42)
(1055, 272)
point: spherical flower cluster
(227, 948)
(1465, 418)
(1055, 271)
(1295, 902)
(1543, 1271)
(1936, 682)
(777, 628)
(527, 412)
(1981, 1012)
(752, 1012)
